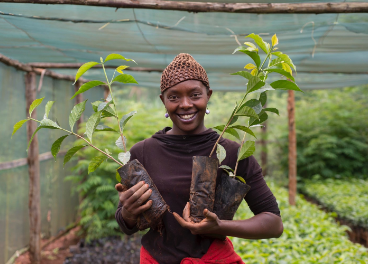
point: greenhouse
(44, 43)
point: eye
(173, 97)
(196, 95)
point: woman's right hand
(133, 200)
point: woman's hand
(209, 225)
(133, 201)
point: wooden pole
(34, 177)
(258, 8)
(292, 148)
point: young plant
(101, 109)
(254, 109)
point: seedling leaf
(124, 120)
(282, 72)
(119, 143)
(117, 175)
(263, 98)
(274, 40)
(115, 56)
(18, 125)
(265, 88)
(85, 67)
(246, 111)
(221, 153)
(251, 53)
(285, 58)
(240, 179)
(245, 129)
(225, 167)
(48, 108)
(244, 74)
(124, 157)
(262, 117)
(124, 78)
(254, 84)
(70, 153)
(247, 150)
(285, 85)
(34, 104)
(92, 124)
(55, 148)
(273, 110)
(250, 66)
(232, 132)
(255, 104)
(87, 86)
(257, 39)
(95, 163)
(101, 128)
(121, 68)
(76, 113)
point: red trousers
(219, 252)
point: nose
(186, 103)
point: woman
(167, 156)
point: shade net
(58, 204)
(329, 50)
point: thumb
(209, 215)
(119, 187)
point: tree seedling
(254, 109)
(102, 109)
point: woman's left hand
(209, 225)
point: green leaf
(225, 167)
(45, 123)
(86, 86)
(76, 113)
(247, 150)
(34, 104)
(115, 56)
(265, 88)
(92, 124)
(285, 85)
(95, 163)
(244, 74)
(124, 157)
(235, 118)
(70, 153)
(124, 78)
(232, 132)
(259, 41)
(55, 148)
(18, 125)
(253, 54)
(254, 84)
(263, 98)
(255, 121)
(124, 120)
(246, 111)
(282, 72)
(240, 179)
(255, 104)
(85, 67)
(95, 105)
(119, 143)
(221, 153)
(245, 129)
(285, 58)
(276, 62)
(101, 128)
(103, 106)
(48, 108)
(273, 110)
(117, 175)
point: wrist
(130, 221)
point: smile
(187, 117)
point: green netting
(58, 204)
(318, 44)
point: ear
(209, 93)
(162, 98)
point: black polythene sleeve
(134, 152)
(259, 198)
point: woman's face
(186, 105)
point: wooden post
(292, 148)
(34, 176)
(264, 148)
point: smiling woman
(168, 156)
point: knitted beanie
(184, 67)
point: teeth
(187, 116)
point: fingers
(180, 220)
(209, 215)
(186, 212)
(119, 187)
(137, 195)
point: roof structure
(329, 50)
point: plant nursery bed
(110, 250)
(56, 251)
